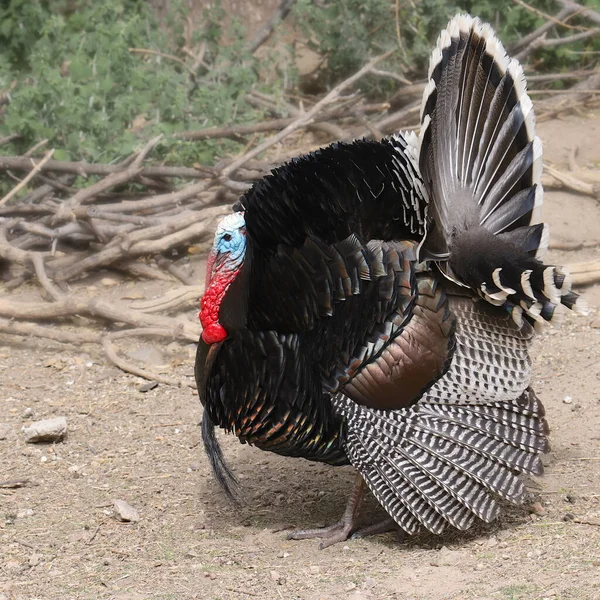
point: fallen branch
(279, 14)
(36, 169)
(583, 11)
(302, 120)
(98, 308)
(570, 182)
(130, 367)
(585, 273)
(84, 169)
(49, 333)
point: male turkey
(374, 302)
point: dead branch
(279, 14)
(572, 246)
(50, 333)
(542, 30)
(36, 169)
(585, 273)
(304, 119)
(130, 367)
(570, 182)
(83, 169)
(95, 307)
(583, 11)
(172, 299)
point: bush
(349, 32)
(78, 84)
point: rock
(5, 430)
(148, 354)
(568, 400)
(146, 387)
(108, 281)
(125, 512)
(28, 413)
(572, 498)
(34, 560)
(537, 509)
(277, 578)
(48, 430)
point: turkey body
(373, 302)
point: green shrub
(79, 84)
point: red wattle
(210, 303)
(214, 333)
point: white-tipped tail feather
(481, 164)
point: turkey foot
(340, 531)
(382, 526)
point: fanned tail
(446, 460)
(481, 163)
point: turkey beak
(215, 262)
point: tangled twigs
(303, 119)
(36, 169)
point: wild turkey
(374, 302)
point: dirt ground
(59, 538)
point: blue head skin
(224, 263)
(230, 239)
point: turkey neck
(234, 306)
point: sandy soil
(59, 538)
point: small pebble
(572, 498)
(34, 560)
(537, 509)
(479, 567)
(28, 413)
(277, 578)
(568, 517)
(146, 387)
(314, 569)
(568, 400)
(125, 512)
(24, 512)
(48, 430)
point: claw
(340, 531)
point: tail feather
(446, 459)
(481, 164)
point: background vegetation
(69, 72)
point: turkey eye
(227, 237)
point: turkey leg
(340, 531)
